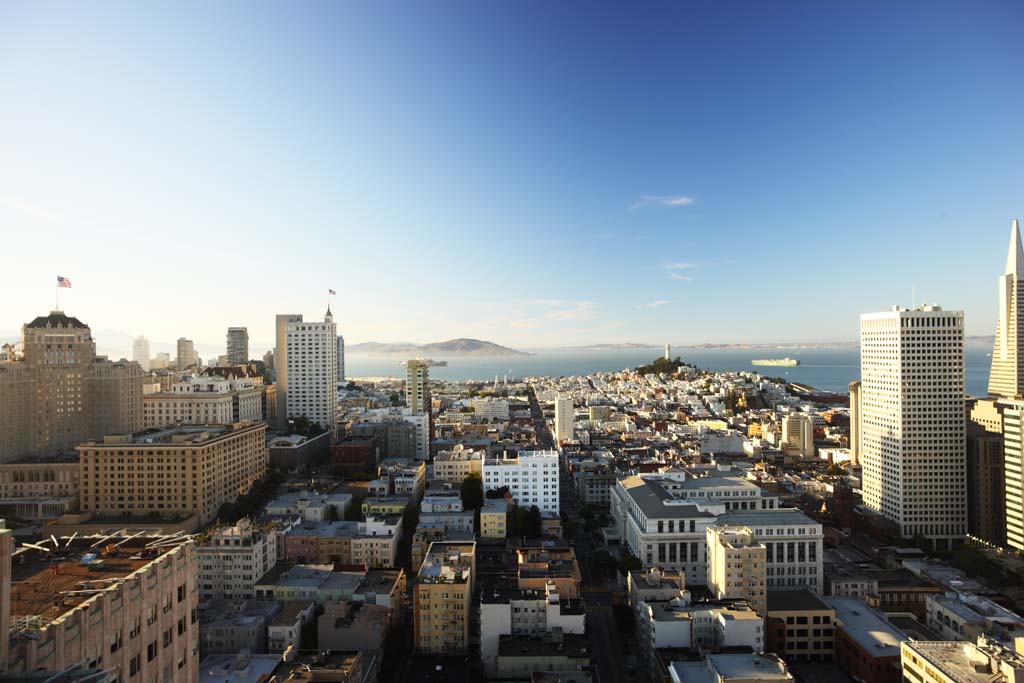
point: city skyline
(736, 162)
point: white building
(422, 423)
(1007, 376)
(524, 612)
(564, 414)
(341, 359)
(207, 399)
(232, 559)
(531, 478)
(308, 354)
(140, 352)
(912, 423)
(678, 623)
(491, 408)
(663, 520)
(310, 506)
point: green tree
(533, 523)
(354, 510)
(472, 492)
(630, 563)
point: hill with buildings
(452, 347)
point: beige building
(442, 598)
(737, 566)
(798, 435)
(494, 518)
(855, 410)
(800, 625)
(139, 615)
(57, 392)
(953, 661)
(38, 488)
(218, 396)
(457, 464)
(417, 386)
(182, 471)
(186, 354)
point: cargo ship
(785, 362)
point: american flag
(329, 291)
(63, 282)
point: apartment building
(370, 543)
(216, 396)
(233, 558)
(564, 417)
(442, 598)
(505, 612)
(184, 470)
(306, 359)
(532, 478)
(417, 386)
(494, 519)
(737, 564)
(455, 465)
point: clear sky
(532, 173)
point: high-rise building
(737, 566)
(281, 322)
(341, 360)
(668, 352)
(564, 414)
(310, 370)
(913, 420)
(987, 493)
(531, 478)
(161, 361)
(417, 386)
(140, 352)
(186, 354)
(58, 392)
(1007, 375)
(238, 345)
(855, 409)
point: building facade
(184, 471)
(217, 396)
(58, 393)
(311, 370)
(140, 352)
(417, 386)
(238, 345)
(186, 354)
(1006, 378)
(233, 558)
(913, 421)
(737, 566)
(564, 416)
(442, 598)
(532, 478)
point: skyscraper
(668, 352)
(341, 359)
(238, 346)
(281, 322)
(1007, 376)
(140, 352)
(912, 420)
(311, 369)
(186, 353)
(58, 393)
(417, 386)
(564, 414)
(855, 409)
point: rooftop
(794, 601)
(962, 661)
(570, 645)
(176, 436)
(759, 518)
(237, 668)
(55, 319)
(866, 627)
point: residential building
(455, 465)
(737, 565)
(370, 543)
(798, 435)
(284, 630)
(679, 624)
(494, 518)
(442, 598)
(520, 656)
(957, 661)
(310, 359)
(505, 612)
(238, 345)
(532, 478)
(867, 646)
(184, 470)
(309, 505)
(536, 567)
(233, 558)
(417, 386)
(653, 585)
(140, 352)
(140, 615)
(913, 422)
(355, 455)
(396, 436)
(229, 627)
(564, 416)
(491, 408)
(186, 356)
(800, 625)
(1006, 379)
(352, 626)
(219, 395)
(57, 392)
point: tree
(472, 492)
(630, 563)
(354, 510)
(533, 523)
(410, 519)
(495, 494)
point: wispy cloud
(655, 304)
(29, 209)
(685, 265)
(681, 277)
(661, 200)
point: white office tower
(1007, 376)
(531, 478)
(311, 369)
(668, 352)
(563, 419)
(237, 346)
(140, 352)
(341, 359)
(912, 420)
(417, 386)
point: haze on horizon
(524, 173)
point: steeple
(1015, 256)
(328, 318)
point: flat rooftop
(866, 627)
(795, 601)
(181, 435)
(572, 645)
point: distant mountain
(452, 347)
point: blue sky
(532, 173)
